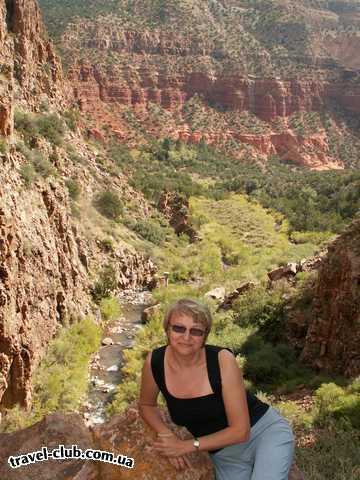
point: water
(105, 369)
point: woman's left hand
(171, 446)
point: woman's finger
(174, 462)
(187, 461)
(181, 462)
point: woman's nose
(187, 334)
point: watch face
(196, 443)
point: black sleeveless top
(206, 414)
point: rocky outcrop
(133, 270)
(328, 330)
(175, 208)
(266, 98)
(29, 65)
(123, 435)
(104, 92)
(235, 294)
(43, 280)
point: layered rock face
(123, 435)
(329, 332)
(98, 90)
(266, 98)
(43, 278)
(42, 281)
(45, 259)
(29, 67)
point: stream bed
(106, 364)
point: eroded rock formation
(29, 65)
(122, 435)
(175, 208)
(100, 91)
(328, 332)
(43, 281)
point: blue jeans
(267, 455)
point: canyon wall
(266, 98)
(328, 332)
(46, 259)
(31, 73)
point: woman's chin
(185, 348)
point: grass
(240, 242)
(61, 380)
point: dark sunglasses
(194, 332)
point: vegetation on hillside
(61, 380)
(310, 201)
(258, 37)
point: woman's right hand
(180, 462)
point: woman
(204, 391)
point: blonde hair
(199, 312)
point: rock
(175, 208)
(217, 294)
(52, 431)
(107, 341)
(96, 87)
(148, 312)
(42, 281)
(229, 299)
(287, 272)
(124, 435)
(327, 332)
(113, 368)
(97, 382)
(117, 329)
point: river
(106, 364)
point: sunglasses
(194, 332)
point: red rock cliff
(28, 61)
(329, 332)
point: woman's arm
(149, 392)
(150, 413)
(234, 397)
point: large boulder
(217, 294)
(124, 435)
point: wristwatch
(196, 443)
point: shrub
(150, 231)
(105, 285)
(110, 308)
(3, 146)
(26, 125)
(107, 245)
(31, 126)
(14, 419)
(42, 166)
(51, 127)
(108, 204)
(263, 309)
(335, 402)
(71, 118)
(73, 188)
(334, 454)
(28, 173)
(272, 366)
(295, 414)
(61, 380)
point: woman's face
(184, 335)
